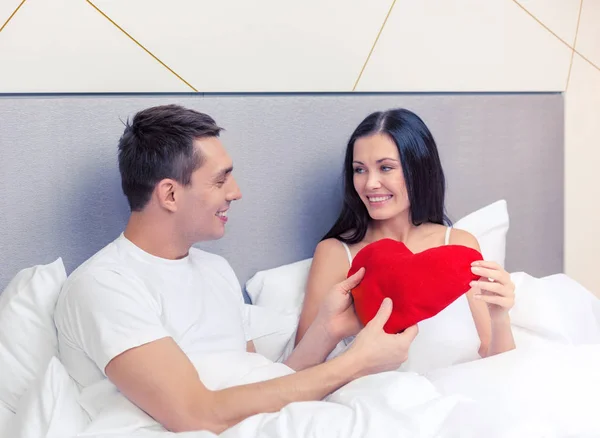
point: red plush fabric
(420, 285)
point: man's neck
(154, 236)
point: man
(161, 321)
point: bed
(503, 158)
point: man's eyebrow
(223, 173)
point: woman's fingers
(494, 287)
(487, 264)
(495, 299)
(493, 274)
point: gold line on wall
(555, 35)
(373, 47)
(12, 15)
(542, 24)
(574, 45)
(587, 60)
(141, 46)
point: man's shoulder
(107, 262)
(214, 265)
(209, 259)
(105, 256)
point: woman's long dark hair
(423, 174)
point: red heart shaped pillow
(420, 285)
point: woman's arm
(495, 332)
(329, 267)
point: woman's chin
(385, 214)
(380, 215)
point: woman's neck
(398, 228)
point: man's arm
(335, 319)
(159, 378)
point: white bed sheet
(542, 393)
(5, 416)
(548, 387)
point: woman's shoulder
(330, 260)
(462, 237)
(328, 247)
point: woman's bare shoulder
(328, 246)
(462, 237)
(330, 251)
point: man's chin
(212, 236)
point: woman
(394, 188)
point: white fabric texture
(48, 402)
(123, 297)
(553, 389)
(280, 289)
(27, 333)
(554, 308)
(6, 415)
(537, 393)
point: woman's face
(378, 176)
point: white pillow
(281, 289)
(277, 295)
(489, 225)
(271, 330)
(50, 407)
(28, 337)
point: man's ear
(166, 194)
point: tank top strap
(447, 239)
(347, 252)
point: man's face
(203, 204)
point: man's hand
(375, 350)
(336, 313)
(335, 321)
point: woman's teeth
(379, 198)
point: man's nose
(234, 192)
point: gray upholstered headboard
(61, 191)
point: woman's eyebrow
(378, 161)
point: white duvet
(548, 387)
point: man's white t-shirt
(124, 297)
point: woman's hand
(495, 287)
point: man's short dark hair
(157, 144)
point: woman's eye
(386, 168)
(358, 170)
